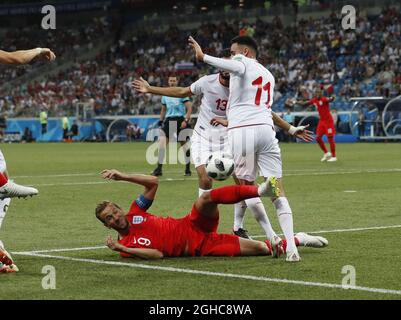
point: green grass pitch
(362, 190)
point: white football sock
(284, 215)
(4, 204)
(239, 213)
(202, 191)
(259, 212)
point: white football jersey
(213, 105)
(251, 95)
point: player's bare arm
(150, 183)
(25, 56)
(142, 86)
(232, 66)
(303, 103)
(148, 254)
(300, 132)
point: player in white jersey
(250, 125)
(210, 136)
(9, 189)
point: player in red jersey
(326, 124)
(147, 236)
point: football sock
(3, 179)
(4, 204)
(202, 191)
(259, 212)
(269, 246)
(284, 214)
(162, 152)
(284, 243)
(322, 146)
(239, 213)
(332, 146)
(233, 194)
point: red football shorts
(208, 241)
(201, 222)
(325, 128)
(216, 244)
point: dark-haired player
(326, 124)
(250, 124)
(174, 117)
(210, 135)
(147, 236)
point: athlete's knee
(205, 198)
(319, 138)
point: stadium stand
(300, 55)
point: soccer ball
(219, 166)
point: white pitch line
(218, 274)
(195, 179)
(300, 172)
(61, 250)
(257, 236)
(345, 230)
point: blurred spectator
(301, 55)
(74, 131)
(133, 131)
(43, 120)
(65, 125)
(27, 135)
(361, 123)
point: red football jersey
(323, 108)
(167, 235)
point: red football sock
(233, 194)
(269, 246)
(332, 146)
(3, 179)
(284, 243)
(322, 146)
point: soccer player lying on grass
(147, 236)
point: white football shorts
(202, 147)
(255, 148)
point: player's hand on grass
(113, 244)
(112, 174)
(198, 50)
(217, 121)
(141, 85)
(47, 54)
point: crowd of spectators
(364, 61)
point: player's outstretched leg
(9, 189)
(207, 203)
(205, 183)
(284, 214)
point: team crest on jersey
(137, 219)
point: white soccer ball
(219, 166)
